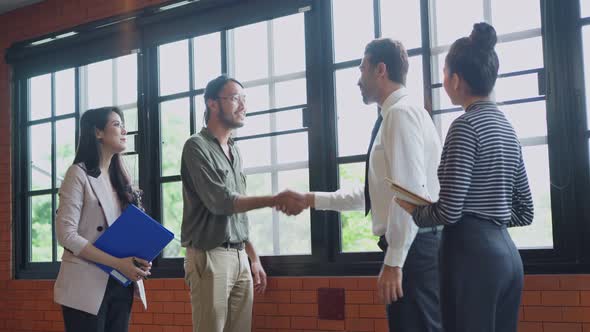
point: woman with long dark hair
(95, 190)
(483, 190)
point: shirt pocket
(223, 174)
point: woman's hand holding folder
(134, 268)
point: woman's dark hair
(473, 58)
(213, 89)
(88, 152)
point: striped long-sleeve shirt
(481, 172)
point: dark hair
(213, 88)
(393, 54)
(88, 152)
(473, 58)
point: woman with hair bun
(483, 190)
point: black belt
(229, 245)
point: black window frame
(145, 29)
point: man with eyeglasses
(214, 223)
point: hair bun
(483, 36)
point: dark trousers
(113, 315)
(481, 277)
(419, 309)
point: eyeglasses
(234, 98)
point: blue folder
(136, 234)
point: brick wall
(559, 303)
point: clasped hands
(291, 202)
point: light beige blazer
(86, 209)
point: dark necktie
(373, 134)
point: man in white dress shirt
(405, 147)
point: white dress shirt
(407, 149)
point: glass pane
(357, 234)
(516, 87)
(257, 98)
(353, 115)
(255, 152)
(40, 153)
(41, 234)
(585, 8)
(415, 80)
(528, 119)
(257, 124)
(400, 20)
(586, 41)
(60, 249)
(291, 93)
(199, 112)
(350, 39)
(251, 52)
(131, 162)
(126, 79)
(295, 231)
(520, 55)
(100, 84)
(261, 220)
(288, 120)
(173, 67)
(441, 100)
(175, 130)
(65, 92)
(40, 97)
(438, 65)
(289, 44)
(65, 147)
(172, 207)
(443, 122)
(260, 124)
(449, 25)
(207, 58)
(540, 233)
(130, 146)
(292, 148)
(511, 16)
(130, 119)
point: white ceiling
(8, 5)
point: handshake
(292, 202)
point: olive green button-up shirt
(211, 182)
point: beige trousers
(221, 289)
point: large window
(306, 126)
(55, 103)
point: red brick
(530, 327)
(308, 310)
(575, 282)
(586, 327)
(278, 322)
(331, 325)
(346, 283)
(562, 327)
(381, 325)
(576, 314)
(304, 297)
(360, 325)
(306, 323)
(164, 319)
(371, 311)
(315, 283)
(173, 307)
(183, 319)
(585, 298)
(557, 298)
(541, 282)
(283, 296)
(542, 314)
(531, 298)
(367, 283)
(359, 297)
(289, 283)
(265, 309)
(170, 284)
(142, 318)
